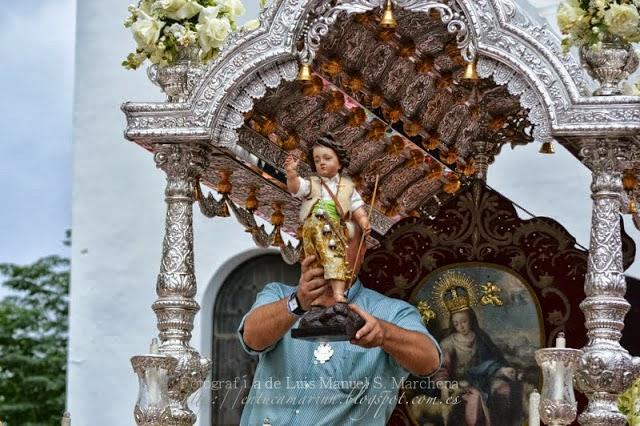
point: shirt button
(297, 411)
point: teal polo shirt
(356, 385)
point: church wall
(118, 225)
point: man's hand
(371, 335)
(311, 284)
(413, 350)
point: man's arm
(412, 350)
(266, 324)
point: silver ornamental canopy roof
(396, 100)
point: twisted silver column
(606, 368)
(176, 284)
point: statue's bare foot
(340, 298)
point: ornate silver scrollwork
(210, 207)
(176, 285)
(319, 27)
(606, 368)
(517, 85)
(291, 253)
(152, 407)
(248, 221)
(558, 405)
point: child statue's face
(326, 161)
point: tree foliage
(33, 341)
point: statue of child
(329, 207)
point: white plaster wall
(118, 222)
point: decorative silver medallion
(323, 352)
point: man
(295, 383)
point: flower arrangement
(592, 22)
(628, 403)
(164, 28)
(596, 24)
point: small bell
(633, 207)
(319, 213)
(326, 229)
(305, 72)
(471, 73)
(332, 244)
(388, 20)
(547, 148)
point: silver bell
(326, 229)
(332, 244)
(319, 213)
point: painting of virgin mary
(490, 370)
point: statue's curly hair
(327, 140)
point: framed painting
(489, 324)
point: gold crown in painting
(456, 302)
(455, 292)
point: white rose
(623, 20)
(145, 6)
(183, 36)
(236, 8)
(212, 32)
(146, 31)
(177, 30)
(190, 38)
(179, 9)
(569, 14)
(598, 6)
(251, 25)
(209, 12)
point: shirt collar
(353, 292)
(335, 179)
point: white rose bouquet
(161, 28)
(592, 22)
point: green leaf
(33, 341)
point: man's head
(327, 156)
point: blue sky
(37, 52)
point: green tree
(33, 341)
